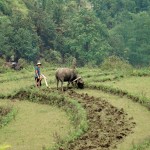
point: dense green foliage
(89, 30)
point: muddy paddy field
(107, 114)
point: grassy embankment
(27, 120)
(111, 82)
(35, 124)
(133, 85)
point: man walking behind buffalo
(38, 77)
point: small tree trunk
(74, 63)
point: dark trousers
(38, 81)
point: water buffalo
(70, 76)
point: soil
(108, 125)
(133, 109)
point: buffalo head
(79, 82)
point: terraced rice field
(35, 126)
(114, 121)
(136, 85)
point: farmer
(38, 77)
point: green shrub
(115, 63)
(4, 8)
(53, 56)
(141, 72)
(22, 63)
(2, 62)
(68, 59)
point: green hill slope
(89, 30)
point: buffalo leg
(68, 85)
(73, 84)
(62, 86)
(57, 84)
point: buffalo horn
(76, 79)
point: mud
(108, 125)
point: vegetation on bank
(93, 77)
(141, 99)
(7, 113)
(119, 81)
(111, 34)
(35, 126)
(74, 110)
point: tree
(6, 32)
(86, 38)
(25, 45)
(135, 38)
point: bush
(4, 8)
(68, 60)
(53, 56)
(3, 68)
(115, 63)
(22, 63)
(44, 63)
(2, 61)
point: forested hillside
(89, 30)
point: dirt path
(140, 114)
(108, 125)
(35, 126)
